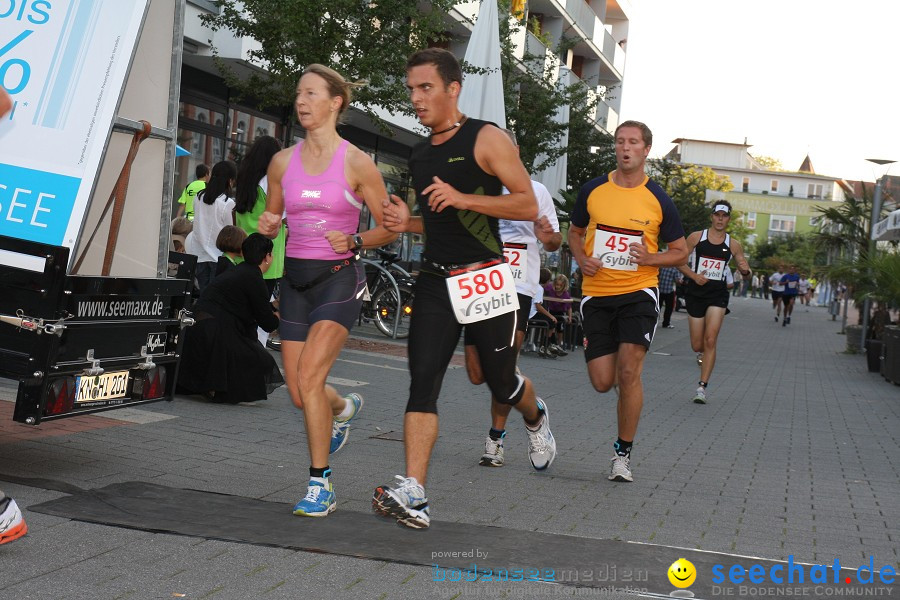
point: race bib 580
(482, 294)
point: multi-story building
(772, 203)
(213, 126)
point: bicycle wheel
(386, 306)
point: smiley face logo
(682, 573)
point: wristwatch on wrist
(357, 243)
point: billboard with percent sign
(64, 63)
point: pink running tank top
(316, 204)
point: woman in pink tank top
(320, 185)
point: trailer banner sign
(64, 64)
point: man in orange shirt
(617, 224)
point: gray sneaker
(405, 501)
(700, 396)
(621, 469)
(541, 444)
(493, 452)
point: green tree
(533, 95)
(803, 251)
(686, 184)
(367, 41)
(844, 235)
(591, 152)
(769, 163)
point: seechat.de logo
(794, 573)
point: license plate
(97, 388)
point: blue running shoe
(318, 502)
(405, 501)
(340, 430)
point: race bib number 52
(611, 247)
(517, 259)
(482, 294)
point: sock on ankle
(320, 475)
(702, 384)
(348, 410)
(622, 447)
(533, 426)
(496, 434)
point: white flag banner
(482, 95)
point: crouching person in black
(222, 357)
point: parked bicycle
(390, 290)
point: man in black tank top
(458, 174)
(706, 295)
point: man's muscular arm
(497, 156)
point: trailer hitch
(35, 325)
(186, 318)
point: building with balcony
(214, 126)
(772, 203)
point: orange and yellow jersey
(614, 217)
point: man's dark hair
(201, 171)
(447, 65)
(255, 248)
(646, 134)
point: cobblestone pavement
(795, 456)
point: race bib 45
(611, 247)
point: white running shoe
(405, 501)
(493, 452)
(699, 359)
(700, 396)
(12, 523)
(340, 430)
(541, 444)
(621, 469)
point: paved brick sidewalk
(796, 454)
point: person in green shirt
(250, 199)
(251, 190)
(186, 201)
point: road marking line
(357, 362)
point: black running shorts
(611, 320)
(433, 335)
(521, 318)
(337, 297)
(697, 305)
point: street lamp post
(876, 213)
